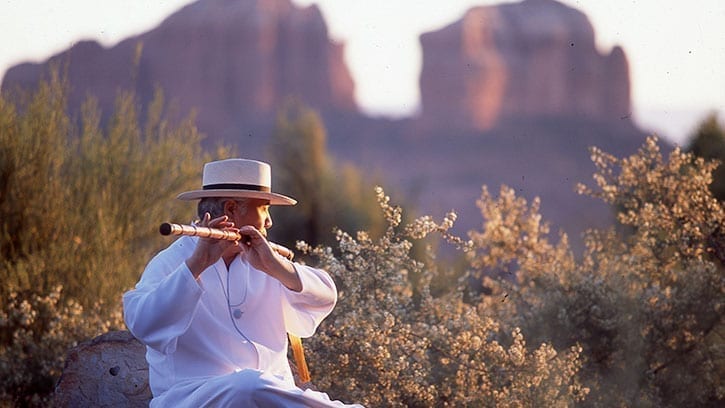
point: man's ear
(230, 206)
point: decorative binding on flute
(168, 228)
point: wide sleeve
(162, 305)
(305, 310)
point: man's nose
(268, 222)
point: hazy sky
(676, 49)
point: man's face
(256, 215)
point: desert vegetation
(634, 320)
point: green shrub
(80, 206)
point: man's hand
(260, 255)
(209, 250)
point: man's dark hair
(215, 206)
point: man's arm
(162, 305)
(261, 256)
(305, 310)
(208, 250)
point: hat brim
(274, 198)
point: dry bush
(644, 301)
(389, 342)
(36, 332)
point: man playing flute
(214, 314)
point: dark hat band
(232, 186)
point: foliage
(645, 302)
(329, 194)
(708, 142)
(386, 346)
(635, 321)
(80, 203)
(35, 334)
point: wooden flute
(168, 228)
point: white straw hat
(238, 178)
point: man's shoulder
(176, 252)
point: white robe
(227, 328)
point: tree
(329, 195)
(708, 142)
(299, 159)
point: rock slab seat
(107, 371)
(111, 371)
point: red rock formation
(233, 61)
(534, 58)
(534, 62)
